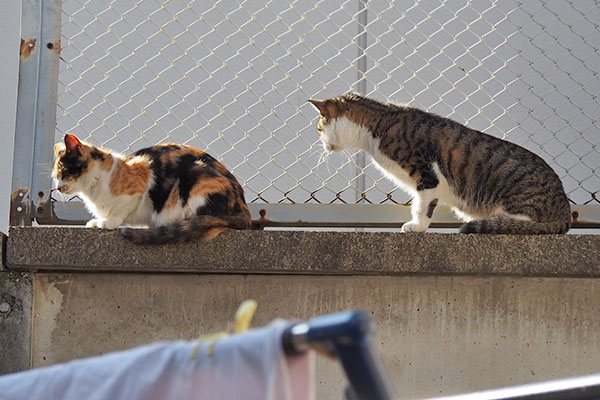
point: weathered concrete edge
(2, 252)
(299, 252)
(16, 290)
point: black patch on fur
(185, 172)
(483, 225)
(157, 151)
(431, 207)
(97, 154)
(189, 170)
(159, 193)
(216, 204)
(237, 208)
(188, 173)
(469, 227)
(71, 166)
(428, 179)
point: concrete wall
(455, 313)
(16, 294)
(437, 334)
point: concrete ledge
(296, 252)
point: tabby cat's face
(73, 163)
(340, 126)
(327, 127)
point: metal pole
(361, 87)
(36, 110)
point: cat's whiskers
(324, 159)
(352, 157)
(313, 152)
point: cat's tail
(200, 227)
(508, 225)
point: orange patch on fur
(173, 199)
(130, 177)
(107, 163)
(213, 233)
(210, 185)
(174, 155)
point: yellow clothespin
(243, 318)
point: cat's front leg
(119, 213)
(421, 210)
(111, 223)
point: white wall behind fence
(233, 77)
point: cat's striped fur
(180, 192)
(494, 185)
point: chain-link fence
(233, 77)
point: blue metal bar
(347, 336)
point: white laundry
(246, 366)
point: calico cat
(493, 185)
(179, 191)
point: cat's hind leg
(421, 210)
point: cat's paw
(94, 223)
(103, 223)
(413, 227)
(110, 224)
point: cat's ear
(73, 144)
(327, 108)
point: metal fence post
(361, 87)
(36, 110)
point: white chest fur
(391, 169)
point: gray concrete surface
(456, 313)
(15, 321)
(437, 334)
(309, 252)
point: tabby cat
(179, 191)
(493, 185)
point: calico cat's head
(341, 124)
(75, 160)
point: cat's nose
(62, 188)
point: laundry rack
(267, 362)
(347, 336)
